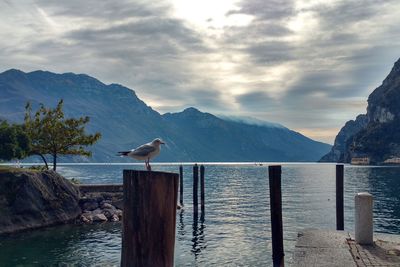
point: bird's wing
(143, 150)
(123, 153)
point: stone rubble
(100, 207)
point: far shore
(228, 163)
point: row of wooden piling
(151, 197)
(275, 194)
(195, 188)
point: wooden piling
(195, 189)
(275, 195)
(149, 218)
(181, 185)
(339, 197)
(202, 202)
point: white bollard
(363, 216)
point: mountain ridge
(126, 121)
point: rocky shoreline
(33, 199)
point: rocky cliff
(30, 199)
(345, 136)
(375, 135)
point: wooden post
(339, 198)
(202, 188)
(149, 218)
(181, 185)
(275, 195)
(195, 189)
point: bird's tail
(123, 153)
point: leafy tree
(52, 134)
(14, 142)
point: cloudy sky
(309, 65)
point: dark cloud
(270, 51)
(206, 98)
(145, 32)
(255, 32)
(270, 10)
(105, 10)
(345, 13)
(256, 101)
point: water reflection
(181, 224)
(198, 235)
(63, 246)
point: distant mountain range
(375, 135)
(125, 122)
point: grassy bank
(5, 168)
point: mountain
(375, 135)
(216, 138)
(125, 122)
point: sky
(309, 65)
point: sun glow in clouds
(208, 14)
(53, 25)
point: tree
(52, 134)
(14, 142)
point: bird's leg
(148, 164)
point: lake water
(235, 230)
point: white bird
(144, 152)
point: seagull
(144, 152)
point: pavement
(338, 248)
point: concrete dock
(338, 248)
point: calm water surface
(235, 229)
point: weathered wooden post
(181, 185)
(195, 189)
(149, 218)
(275, 195)
(202, 189)
(339, 197)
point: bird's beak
(162, 142)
